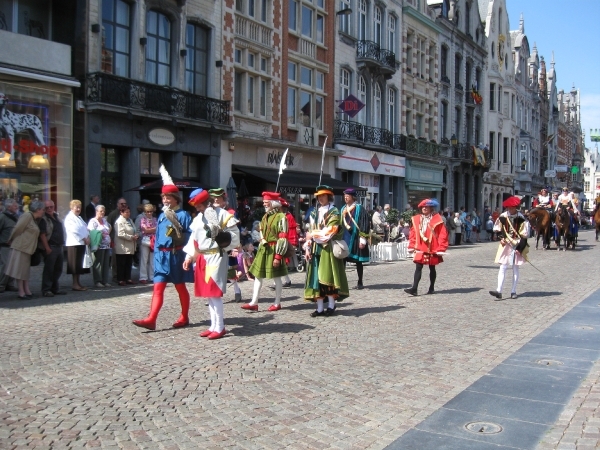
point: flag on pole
(282, 164)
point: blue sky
(570, 29)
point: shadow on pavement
(358, 312)
(459, 290)
(382, 286)
(540, 294)
(495, 267)
(246, 330)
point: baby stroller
(301, 257)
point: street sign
(351, 105)
(560, 168)
(550, 173)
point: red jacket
(436, 240)
(292, 233)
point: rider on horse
(544, 200)
(567, 202)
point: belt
(170, 249)
(4, 245)
(210, 251)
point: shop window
(158, 49)
(196, 60)
(116, 27)
(28, 17)
(149, 163)
(110, 177)
(190, 166)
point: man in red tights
(172, 233)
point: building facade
(152, 96)
(36, 101)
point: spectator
(489, 228)
(379, 227)
(78, 237)
(126, 237)
(90, 209)
(100, 228)
(468, 227)
(458, 229)
(23, 243)
(8, 219)
(112, 218)
(451, 227)
(476, 222)
(256, 236)
(495, 216)
(52, 237)
(147, 230)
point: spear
(322, 160)
(282, 166)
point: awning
(296, 182)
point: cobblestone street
(75, 373)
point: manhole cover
(483, 427)
(549, 362)
(584, 327)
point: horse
(597, 220)
(539, 218)
(563, 227)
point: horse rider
(565, 200)
(544, 201)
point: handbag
(152, 242)
(146, 240)
(36, 258)
(87, 258)
(340, 249)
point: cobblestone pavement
(75, 373)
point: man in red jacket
(292, 238)
(428, 241)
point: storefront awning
(296, 182)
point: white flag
(282, 164)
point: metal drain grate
(483, 428)
(549, 362)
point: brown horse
(539, 218)
(597, 220)
(563, 227)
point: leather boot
(157, 301)
(184, 299)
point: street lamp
(344, 12)
(523, 163)
(453, 141)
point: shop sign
(268, 157)
(351, 105)
(161, 136)
(360, 160)
(560, 168)
(27, 146)
(550, 173)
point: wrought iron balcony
(372, 55)
(421, 147)
(133, 94)
(467, 154)
(355, 131)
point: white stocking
(213, 314)
(278, 288)
(331, 302)
(256, 290)
(515, 279)
(501, 275)
(218, 307)
(320, 305)
(236, 287)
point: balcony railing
(133, 94)
(421, 147)
(466, 153)
(358, 132)
(369, 50)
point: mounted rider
(544, 200)
(566, 200)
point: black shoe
(271, 287)
(287, 285)
(329, 312)
(358, 287)
(317, 314)
(48, 294)
(514, 295)
(411, 291)
(496, 294)
(431, 291)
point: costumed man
(292, 237)
(326, 276)
(513, 230)
(355, 219)
(172, 233)
(269, 261)
(428, 241)
(215, 232)
(219, 198)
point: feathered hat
(430, 202)
(169, 187)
